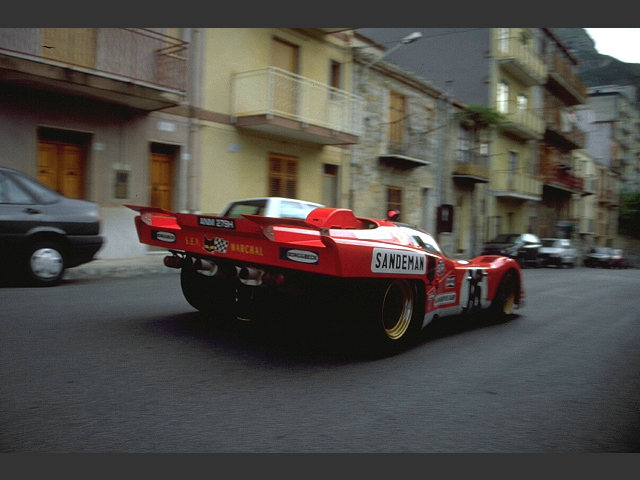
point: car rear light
(269, 232)
(157, 220)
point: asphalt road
(126, 365)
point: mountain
(595, 68)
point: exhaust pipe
(173, 261)
(250, 276)
(206, 268)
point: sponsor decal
(218, 245)
(445, 299)
(216, 222)
(300, 256)
(385, 260)
(440, 267)
(450, 282)
(163, 236)
(246, 249)
(192, 241)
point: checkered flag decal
(216, 245)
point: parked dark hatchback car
(42, 232)
(523, 247)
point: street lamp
(412, 37)
(357, 82)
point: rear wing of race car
(329, 241)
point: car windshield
(249, 207)
(298, 210)
(423, 240)
(551, 242)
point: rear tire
(503, 304)
(209, 295)
(392, 313)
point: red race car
(387, 279)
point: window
(330, 185)
(522, 102)
(465, 145)
(513, 162)
(121, 184)
(502, 100)
(335, 74)
(503, 39)
(283, 176)
(12, 193)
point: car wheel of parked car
(45, 263)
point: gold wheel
(509, 301)
(504, 303)
(398, 305)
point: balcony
(517, 57)
(522, 123)
(405, 154)
(470, 173)
(273, 101)
(564, 81)
(560, 178)
(513, 185)
(135, 67)
(555, 171)
(560, 129)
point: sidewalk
(120, 267)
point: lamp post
(412, 37)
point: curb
(119, 268)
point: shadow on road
(296, 340)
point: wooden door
(61, 167)
(48, 165)
(285, 56)
(161, 180)
(72, 171)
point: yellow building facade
(516, 73)
(274, 116)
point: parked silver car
(557, 252)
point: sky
(620, 43)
